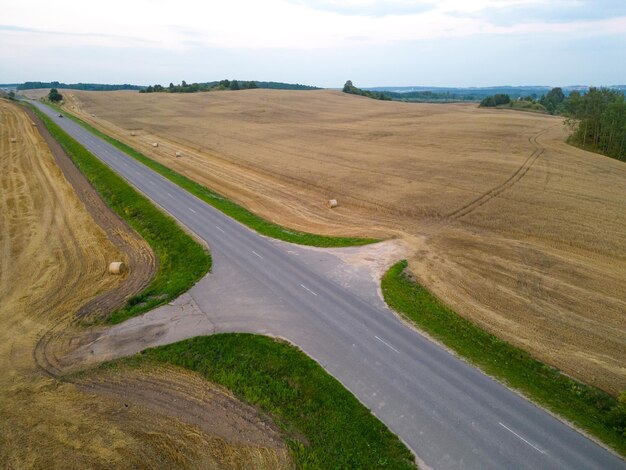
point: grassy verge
(593, 410)
(182, 260)
(228, 207)
(325, 426)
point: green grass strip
(228, 207)
(589, 408)
(325, 426)
(182, 261)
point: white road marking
(306, 288)
(151, 182)
(520, 437)
(125, 164)
(387, 344)
(191, 210)
(257, 254)
(170, 195)
(219, 228)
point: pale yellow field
(510, 226)
(53, 259)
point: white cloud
(296, 24)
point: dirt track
(53, 262)
(510, 226)
(137, 253)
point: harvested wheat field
(510, 226)
(53, 261)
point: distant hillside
(416, 96)
(423, 93)
(77, 86)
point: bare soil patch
(53, 261)
(510, 226)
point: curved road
(450, 414)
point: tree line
(377, 95)
(596, 118)
(184, 87)
(77, 86)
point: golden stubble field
(508, 225)
(53, 259)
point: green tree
(501, 98)
(54, 95)
(348, 87)
(487, 102)
(552, 100)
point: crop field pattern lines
(507, 224)
(514, 178)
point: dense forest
(77, 86)
(185, 87)
(598, 121)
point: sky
(316, 42)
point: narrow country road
(450, 414)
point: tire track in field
(510, 182)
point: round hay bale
(13, 140)
(178, 154)
(133, 133)
(155, 144)
(331, 203)
(117, 267)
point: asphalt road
(450, 414)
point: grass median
(589, 408)
(182, 260)
(324, 425)
(223, 204)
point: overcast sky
(317, 42)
